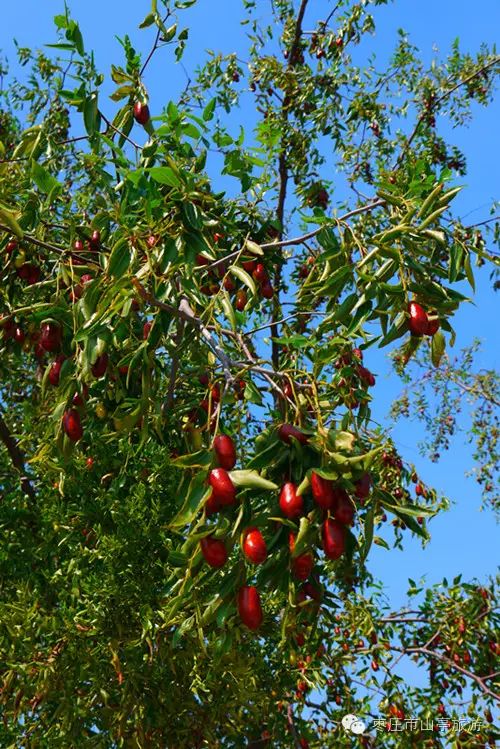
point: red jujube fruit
(214, 551)
(291, 503)
(286, 431)
(141, 112)
(72, 425)
(249, 607)
(223, 489)
(50, 336)
(260, 273)
(241, 300)
(322, 491)
(333, 534)
(418, 322)
(100, 365)
(225, 452)
(55, 371)
(267, 290)
(432, 326)
(302, 565)
(254, 546)
(344, 510)
(363, 486)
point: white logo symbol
(353, 724)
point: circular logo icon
(358, 727)
(353, 724)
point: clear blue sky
(464, 540)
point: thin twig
(155, 46)
(311, 234)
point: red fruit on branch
(146, 329)
(89, 463)
(55, 371)
(312, 591)
(267, 290)
(418, 322)
(214, 551)
(260, 273)
(241, 300)
(363, 486)
(80, 398)
(50, 337)
(432, 326)
(215, 393)
(72, 425)
(78, 245)
(228, 284)
(291, 503)
(212, 505)
(302, 565)
(254, 546)
(95, 241)
(249, 265)
(287, 431)
(100, 366)
(322, 491)
(225, 452)
(11, 246)
(344, 510)
(366, 376)
(19, 335)
(249, 607)
(141, 113)
(223, 489)
(203, 378)
(333, 535)
(29, 273)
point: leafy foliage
(143, 314)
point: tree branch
(310, 235)
(480, 680)
(17, 458)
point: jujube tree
(191, 477)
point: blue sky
(464, 540)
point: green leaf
(197, 495)
(43, 179)
(254, 248)
(165, 176)
(228, 309)
(7, 217)
(244, 277)
(209, 110)
(91, 116)
(252, 479)
(469, 273)
(177, 558)
(168, 34)
(148, 21)
(120, 257)
(455, 262)
(122, 92)
(438, 345)
(368, 533)
(200, 459)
